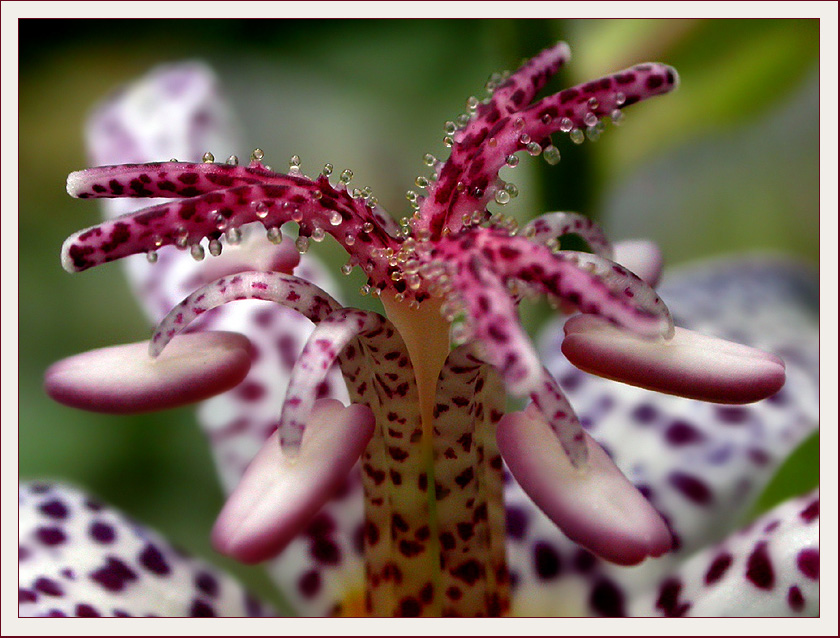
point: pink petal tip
(278, 494)
(126, 380)
(690, 364)
(595, 506)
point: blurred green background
(727, 163)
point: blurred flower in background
(728, 164)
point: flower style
(425, 419)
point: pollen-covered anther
(689, 364)
(127, 380)
(278, 495)
(594, 504)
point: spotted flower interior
(427, 380)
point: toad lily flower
(426, 382)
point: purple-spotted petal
(689, 364)
(596, 506)
(769, 568)
(125, 379)
(78, 557)
(701, 464)
(279, 495)
(178, 111)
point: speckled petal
(78, 557)
(689, 364)
(595, 506)
(126, 380)
(701, 465)
(279, 495)
(178, 111)
(769, 568)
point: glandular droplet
(197, 252)
(551, 154)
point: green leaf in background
(799, 474)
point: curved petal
(77, 557)
(701, 465)
(178, 111)
(770, 568)
(548, 228)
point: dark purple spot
(409, 608)
(447, 540)
(732, 415)
(546, 561)
(607, 600)
(309, 583)
(102, 532)
(114, 575)
(516, 522)
(681, 433)
(465, 531)
(718, 568)
(49, 587)
(808, 562)
(200, 609)
(571, 381)
(410, 548)
(51, 535)
(795, 598)
(691, 487)
(153, 560)
(54, 509)
(326, 551)
(669, 599)
(464, 478)
(26, 596)
(811, 511)
(94, 506)
(427, 593)
(644, 413)
(469, 571)
(207, 583)
(759, 568)
(83, 610)
(40, 488)
(250, 391)
(654, 82)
